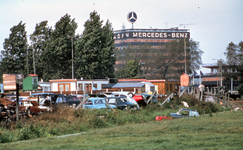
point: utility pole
(185, 42)
(34, 57)
(27, 62)
(71, 37)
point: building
(154, 38)
(213, 79)
(161, 86)
(86, 85)
(134, 86)
(30, 83)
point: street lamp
(220, 70)
(71, 37)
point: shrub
(240, 89)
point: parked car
(48, 99)
(60, 99)
(185, 113)
(97, 103)
(120, 102)
(73, 100)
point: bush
(240, 89)
(208, 107)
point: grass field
(222, 130)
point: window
(89, 102)
(80, 86)
(112, 100)
(64, 87)
(60, 87)
(95, 87)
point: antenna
(187, 24)
(123, 27)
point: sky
(212, 23)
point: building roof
(127, 85)
(141, 80)
(149, 83)
(74, 80)
(124, 85)
(33, 75)
(153, 30)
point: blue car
(185, 113)
(97, 103)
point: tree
(240, 58)
(233, 68)
(95, 57)
(57, 54)
(39, 39)
(195, 54)
(177, 56)
(15, 51)
(131, 70)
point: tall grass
(219, 131)
(67, 120)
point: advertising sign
(152, 35)
(9, 82)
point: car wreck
(185, 113)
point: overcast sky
(213, 23)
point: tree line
(51, 53)
(232, 68)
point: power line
(168, 63)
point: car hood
(133, 101)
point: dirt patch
(238, 103)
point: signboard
(152, 35)
(132, 17)
(9, 82)
(184, 80)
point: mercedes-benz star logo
(132, 17)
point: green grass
(219, 131)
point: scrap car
(120, 102)
(97, 103)
(185, 113)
